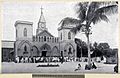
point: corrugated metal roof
(7, 44)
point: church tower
(41, 23)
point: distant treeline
(97, 49)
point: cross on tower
(41, 10)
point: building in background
(43, 44)
(8, 51)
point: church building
(43, 44)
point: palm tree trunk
(88, 42)
(81, 54)
(88, 46)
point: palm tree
(88, 13)
(95, 47)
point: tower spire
(41, 23)
(42, 19)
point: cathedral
(43, 44)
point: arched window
(70, 52)
(25, 48)
(69, 35)
(33, 38)
(52, 39)
(44, 38)
(39, 38)
(36, 38)
(69, 49)
(55, 40)
(25, 32)
(61, 36)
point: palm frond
(101, 13)
(81, 10)
(104, 18)
(106, 3)
(76, 29)
(98, 17)
(109, 3)
(69, 20)
(107, 10)
(93, 6)
(109, 7)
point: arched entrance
(23, 51)
(69, 50)
(35, 51)
(55, 51)
(45, 50)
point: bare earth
(66, 67)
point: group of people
(87, 67)
(22, 59)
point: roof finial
(41, 10)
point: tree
(104, 48)
(95, 45)
(81, 48)
(79, 44)
(95, 48)
(88, 13)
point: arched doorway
(45, 50)
(35, 51)
(55, 51)
(24, 51)
(69, 50)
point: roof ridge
(45, 31)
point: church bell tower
(41, 23)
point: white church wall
(20, 31)
(63, 48)
(65, 34)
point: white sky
(53, 13)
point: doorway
(44, 53)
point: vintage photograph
(60, 37)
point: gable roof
(45, 32)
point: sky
(54, 13)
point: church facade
(43, 44)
